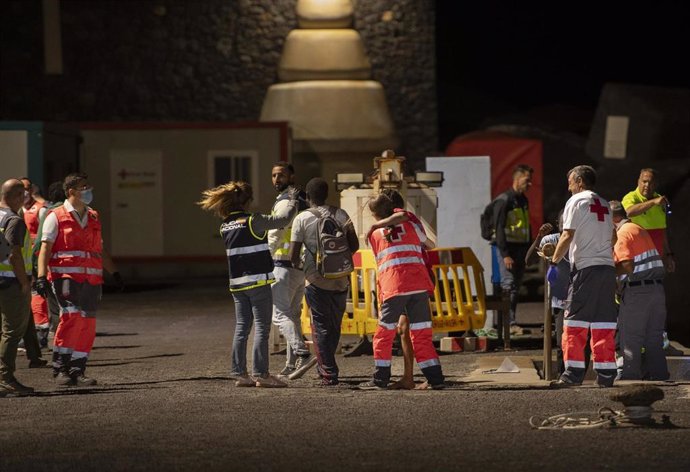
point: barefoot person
(403, 282)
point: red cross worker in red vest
(406, 382)
(71, 259)
(588, 237)
(403, 284)
(33, 211)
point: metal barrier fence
(458, 302)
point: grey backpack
(333, 255)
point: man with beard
(288, 288)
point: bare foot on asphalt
(402, 385)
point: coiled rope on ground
(605, 417)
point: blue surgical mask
(87, 196)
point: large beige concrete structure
(324, 54)
(338, 115)
(324, 13)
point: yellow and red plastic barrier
(456, 305)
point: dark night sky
(499, 57)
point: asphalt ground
(165, 402)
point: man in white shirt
(588, 237)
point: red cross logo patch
(394, 233)
(599, 209)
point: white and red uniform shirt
(588, 215)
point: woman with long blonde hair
(251, 274)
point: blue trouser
(254, 304)
(327, 308)
(511, 279)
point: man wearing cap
(642, 311)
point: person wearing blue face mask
(87, 196)
(71, 263)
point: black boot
(60, 363)
(76, 372)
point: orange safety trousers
(422, 344)
(39, 309)
(75, 334)
(575, 334)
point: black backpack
(487, 219)
(333, 255)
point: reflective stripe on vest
(517, 226)
(251, 278)
(647, 265)
(401, 261)
(409, 259)
(76, 270)
(60, 254)
(404, 247)
(247, 249)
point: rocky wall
(206, 60)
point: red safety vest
(399, 261)
(31, 218)
(77, 251)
